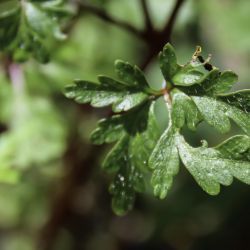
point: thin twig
(102, 14)
(171, 21)
(147, 17)
(160, 38)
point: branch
(159, 39)
(147, 17)
(171, 21)
(102, 14)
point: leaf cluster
(195, 92)
(27, 27)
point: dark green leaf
(126, 183)
(168, 62)
(117, 155)
(239, 99)
(144, 141)
(131, 74)
(108, 130)
(111, 129)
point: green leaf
(217, 113)
(9, 17)
(116, 155)
(127, 181)
(239, 99)
(140, 153)
(224, 83)
(113, 128)
(236, 147)
(187, 76)
(128, 158)
(29, 28)
(41, 23)
(213, 83)
(143, 142)
(108, 130)
(131, 74)
(168, 62)
(184, 110)
(164, 162)
(121, 96)
(211, 167)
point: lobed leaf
(121, 97)
(193, 96)
(239, 99)
(211, 167)
(236, 147)
(128, 158)
(217, 113)
(184, 111)
(212, 84)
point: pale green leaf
(210, 167)
(217, 113)
(237, 147)
(184, 110)
(187, 76)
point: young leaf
(187, 76)
(168, 62)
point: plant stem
(171, 21)
(147, 17)
(102, 14)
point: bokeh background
(58, 199)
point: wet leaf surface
(192, 95)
